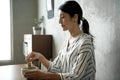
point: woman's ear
(75, 18)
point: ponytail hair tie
(83, 18)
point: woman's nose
(59, 21)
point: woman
(75, 60)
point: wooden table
(11, 72)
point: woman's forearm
(44, 61)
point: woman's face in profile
(66, 21)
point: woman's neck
(75, 31)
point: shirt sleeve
(83, 61)
(55, 66)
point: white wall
(104, 20)
(52, 26)
(102, 16)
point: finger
(29, 74)
(33, 56)
(29, 57)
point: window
(5, 31)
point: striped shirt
(76, 62)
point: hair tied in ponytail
(83, 18)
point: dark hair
(72, 8)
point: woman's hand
(39, 75)
(38, 56)
(35, 75)
(33, 56)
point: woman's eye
(62, 16)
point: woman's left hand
(35, 75)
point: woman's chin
(64, 29)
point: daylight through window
(5, 30)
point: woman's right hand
(38, 56)
(33, 56)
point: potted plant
(37, 28)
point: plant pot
(36, 30)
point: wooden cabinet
(38, 43)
